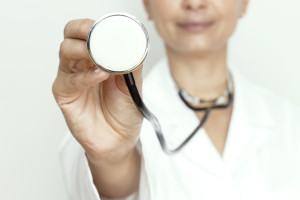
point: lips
(195, 26)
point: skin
(93, 103)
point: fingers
(74, 56)
(78, 29)
(77, 82)
(73, 49)
(73, 52)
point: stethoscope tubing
(147, 114)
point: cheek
(163, 16)
(226, 27)
(227, 21)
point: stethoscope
(119, 43)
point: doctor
(251, 150)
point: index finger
(78, 29)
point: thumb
(138, 77)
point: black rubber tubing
(130, 82)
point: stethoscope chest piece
(118, 43)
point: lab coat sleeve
(78, 177)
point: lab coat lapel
(249, 128)
(251, 123)
(199, 151)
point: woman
(248, 151)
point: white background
(265, 47)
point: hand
(96, 105)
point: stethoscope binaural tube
(105, 45)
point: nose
(194, 5)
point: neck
(203, 75)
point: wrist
(111, 158)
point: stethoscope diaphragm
(118, 43)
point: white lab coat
(261, 158)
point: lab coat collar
(251, 124)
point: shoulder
(265, 104)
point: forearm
(119, 179)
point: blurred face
(195, 25)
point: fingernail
(98, 70)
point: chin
(194, 47)
(198, 45)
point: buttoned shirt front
(261, 159)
